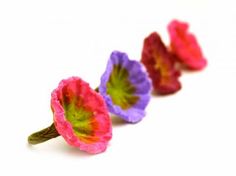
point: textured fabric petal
(81, 116)
(185, 46)
(160, 65)
(125, 86)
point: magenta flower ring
(125, 86)
(80, 117)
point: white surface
(190, 133)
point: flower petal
(185, 46)
(81, 116)
(125, 87)
(160, 65)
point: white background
(190, 133)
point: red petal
(160, 65)
(185, 46)
(81, 116)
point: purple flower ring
(125, 87)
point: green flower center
(120, 88)
(80, 119)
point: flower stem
(43, 135)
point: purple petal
(137, 78)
